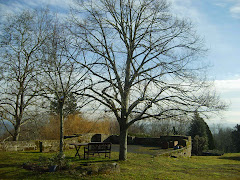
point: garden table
(77, 147)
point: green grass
(138, 166)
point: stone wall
(18, 145)
(88, 137)
(47, 145)
(183, 152)
(51, 145)
(183, 142)
(147, 141)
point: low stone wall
(88, 137)
(183, 142)
(185, 151)
(147, 141)
(47, 145)
(18, 145)
(51, 145)
(114, 139)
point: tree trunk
(16, 132)
(61, 130)
(123, 143)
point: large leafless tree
(22, 35)
(145, 62)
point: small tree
(198, 126)
(211, 143)
(201, 135)
(60, 74)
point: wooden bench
(97, 147)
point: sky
(216, 21)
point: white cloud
(55, 3)
(230, 93)
(235, 10)
(228, 85)
(231, 117)
(232, 5)
(221, 4)
(10, 7)
(184, 8)
(15, 7)
(61, 7)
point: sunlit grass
(138, 166)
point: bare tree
(61, 76)
(21, 37)
(144, 62)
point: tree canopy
(144, 62)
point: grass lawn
(138, 166)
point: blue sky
(217, 21)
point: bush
(74, 124)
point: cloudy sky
(217, 21)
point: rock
(109, 168)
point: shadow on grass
(97, 161)
(155, 149)
(235, 158)
(9, 165)
(21, 174)
(90, 160)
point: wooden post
(40, 146)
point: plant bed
(35, 167)
(83, 170)
(52, 164)
(98, 168)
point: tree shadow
(155, 149)
(90, 160)
(29, 152)
(95, 157)
(234, 158)
(9, 165)
(97, 161)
